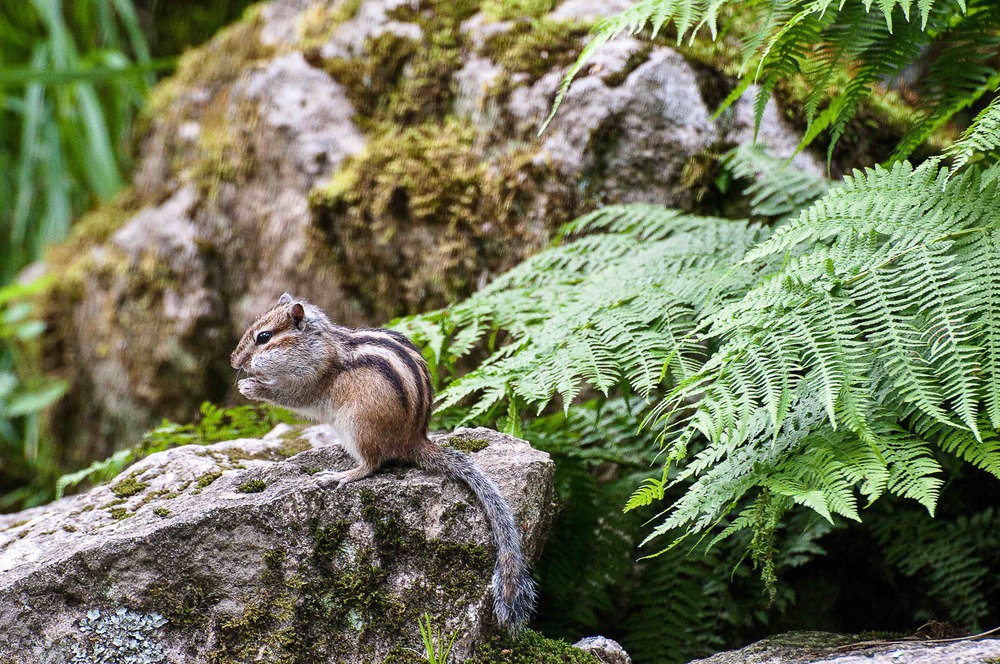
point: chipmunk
(373, 387)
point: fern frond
(981, 139)
(959, 75)
(776, 188)
(841, 51)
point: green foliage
(436, 648)
(951, 562)
(672, 607)
(214, 425)
(24, 394)
(73, 78)
(980, 142)
(842, 52)
(829, 360)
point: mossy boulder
(378, 157)
(261, 563)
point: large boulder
(231, 552)
(378, 157)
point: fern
(841, 51)
(670, 608)
(839, 356)
(951, 560)
(980, 140)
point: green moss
(455, 568)
(293, 444)
(207, 478)
(226, 150)
(369, 81)
(401, 655)
(467, 444)
(251, 486)
(536, 46)
(21, 522)
(69, 528)
(275, 558)
(375, 82)
(530, 647)
(118, 513)
(128, 487)
(422, 201)
(162, 512)
(504, 10)
(318, 23)
(184, 602)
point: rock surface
(377, 157)
(231, 552)
(826, 648)
(607, 651)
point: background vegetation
(73, 77)
(747, 389)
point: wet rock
(227, 551)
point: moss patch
(184, 602)
(212, 66)
(128, 487)
(536, 46)
(251, 486)
(530, 648)
(419, 216)
(161, 512)
(207, 478)
(467, 444)
(503, 10)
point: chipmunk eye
(263, 337)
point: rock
(378, 157)
(604, 649)
(826, 648)
(232, 552)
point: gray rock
(604, 649)
(589, 10)
(232, 549)
(826, 648)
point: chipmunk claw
(330, 478)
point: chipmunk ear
(297, 313)
(285, 299)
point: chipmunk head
(284, 353)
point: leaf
(27, 403)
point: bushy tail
(513, 587)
